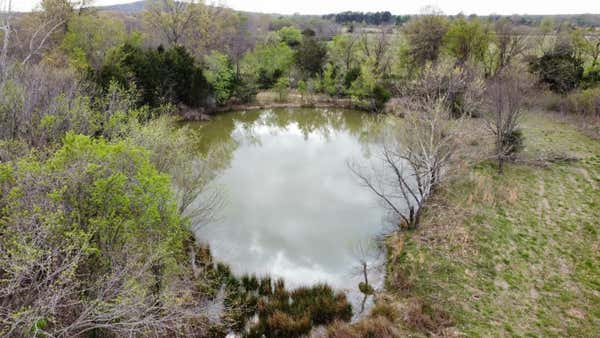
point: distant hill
(589, 20)
(129, 8)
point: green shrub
(245, 89)
(591, 78)
(365, 288)
(221, 76)
(283, 88)
(351, 76)
(380, 96)
(291, 36)
(91, 216)
(369, 91)
(514, 142)
(562, 72)
(267, 63)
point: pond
(292, 208)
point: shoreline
(254, 106)
(293, 103)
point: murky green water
(292, 207)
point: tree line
(387, 18)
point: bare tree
(376, 48)
(505, 94)
(415, 159)
(48, 286)
(171, 19)
(367, 255)
(31, 93)
(459, 87)
(193, 24)
(343, 50)
(591, 46)
(38, 27)
(31, 34)
(6, 28)
(510, 43)
(425, 35)
(240, 41)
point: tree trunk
(364, 266)
(414, 218)
(157, 269)
(7, 30)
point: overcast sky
(394, 6)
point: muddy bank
(271, 100)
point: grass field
(511, 255)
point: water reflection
(293, 208)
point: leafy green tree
(311, 55)
(561, 68)
(282, 87)
(425, 35)
(302, 88)
(90, 37)
(342, 51)
(468, 40)
(162, 76)
(267, 63)
(290, 35)
(369, 90)
(561, 72)
(279, 23)
(331, 83)
(220, 75)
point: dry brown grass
(373, 327)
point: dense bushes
(29, 95)
(562, 72)
(267, 63)
(161, 75)
(91, 240)
(39, 104)
(584, 102)
(310, 55)
(468, 40)
(219, 73)
(89, 38)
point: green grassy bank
(511, 255)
